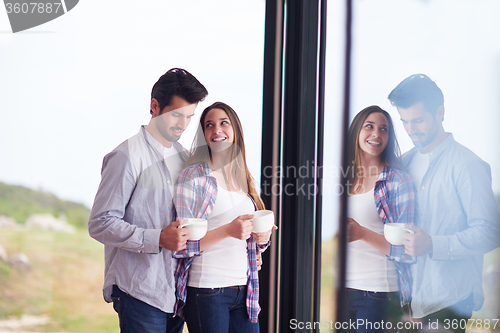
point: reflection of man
(133, 210)
(457, 214)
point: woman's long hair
(238, 170)
(389, 157)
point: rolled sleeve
(397, 252)
(192, 250)
(440, 248)
(263, 247)
(402, 210)
(152, 241)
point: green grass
(64, 282)
(20, 203)
(328, 279)
(5, 270)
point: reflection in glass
(454, 43)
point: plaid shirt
(395, 201)
(195, 197)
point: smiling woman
(89, 90)
(219, 133)
(373, 135)
(217, 279)
(380, 193)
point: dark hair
(200, 152)
(390, 155)
(417, 88)
(177, 82)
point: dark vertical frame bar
(271, 142)
(296, 298)
(341, 315)
(290, 184)
(319, 163)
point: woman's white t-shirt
(368, 268)
(224, 264)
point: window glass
(455, 43)
(74, 88)
(334, 79)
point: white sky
(74, 88)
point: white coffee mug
(394, 232)
(263, 220)
(197, 228)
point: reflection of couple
(455, 223)
(133, 216)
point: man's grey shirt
(132, 205)
(457, 208)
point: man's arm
(106, 223)
(481, 232)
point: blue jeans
(218, 310)
(137, 316)
(371, 310)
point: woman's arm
(239, 228)
(357, 232)
(262, 238)
(402, 208)
(185, 202)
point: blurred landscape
(59, 289)
(51, 271)
(20, 203)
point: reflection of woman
(379, 193)
(222, 284)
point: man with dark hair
(133, 210)
(457, 217)
(177, 82)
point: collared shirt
(195, 197)
(132, 205)
(394, 194)
(457, 208)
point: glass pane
(74, 88)
(456, 44)
(332, 188)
